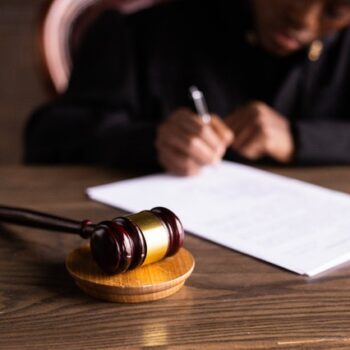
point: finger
(237, 120)
(187, 120)
(224, 133)
(176, 163)
(232, 121)
(203, 145)
(252, 146)
(244, 116)
(186, 131)
(280, 145)
(193, 126)
(245, 134)
(190, 146)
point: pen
(200, 104)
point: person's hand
(185, 143)
(261, 131)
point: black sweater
(131, 72)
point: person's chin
(281, 51)
(281, 45)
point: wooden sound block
(145, 283)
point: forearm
(129, 145)
(322, 142)
(68, 134)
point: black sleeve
(98, 119)
(322, 142)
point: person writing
(275, 74)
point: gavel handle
(31, 218)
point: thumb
(222, 130)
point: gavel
(118, 245)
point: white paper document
(298, 226)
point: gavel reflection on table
(125, 248)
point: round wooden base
(146, 283)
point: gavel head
(134, 240)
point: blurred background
(21, 86)
(37, 39)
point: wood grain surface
(145, 283)
(231, 301)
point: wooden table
(231, 301)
